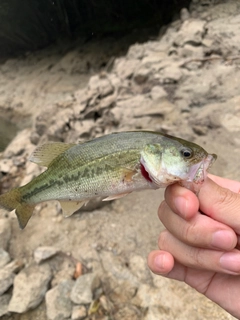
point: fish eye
(187, 153)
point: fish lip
(198, 172)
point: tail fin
(13, 200)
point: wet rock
(43, 253)
(58, 303)
(4, 257)
(30, 286)
(4, 301)
(79, 313)
(5, 233)
(84, 287)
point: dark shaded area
(32, 24)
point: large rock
(58, 302)
(7, 274)
(4, 301)
(30, 286)
(84, 287)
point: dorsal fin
(44, 154)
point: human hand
(202, 249)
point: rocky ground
(92, 265)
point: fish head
(176, 160)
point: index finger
(221, 203)
(226, 183)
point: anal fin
(69, 207)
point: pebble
(84, 287)
(58, 303)
(43, 253)
(79, 313)
(5, 233)
(30, 286)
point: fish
(110, 167)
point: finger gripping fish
(111, 167)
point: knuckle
(190, 233)
(162, 240)
(196, 257)
(225, 197)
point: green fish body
(110, 167)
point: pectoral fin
(69, 207)
(116, 196)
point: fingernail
(231, 261)
(159, 262)
(223, 239)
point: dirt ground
(60, 93)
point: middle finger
(200, 231)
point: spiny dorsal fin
(44, 154)
(69, 207)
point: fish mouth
(198, 172)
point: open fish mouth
(198, 172)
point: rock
(4, 301)
(84, 287)
(18, 145)
(124, 68)
(6, 280)
(192, 31)
(231, 121)
(5, 233)
(141, 75)
(58, 303)
(138, 266)
(128, 313)
(184, 14)
(7, 166)
(4, 257)
(158, 93)
(79, 313)
(7, 275)
(30, 286)
(100, 85)
(171, 74)
(43, 253)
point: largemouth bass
(111, 166)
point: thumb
(221, 204)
